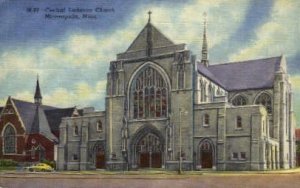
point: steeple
(204, 59)
(149, 36)
(37, 95)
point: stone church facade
(166, 109)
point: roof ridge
(131, 46)
(60, 109)
(32, 103)
(246, 61)
(21, 100)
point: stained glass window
(239, 101)
(9, 140)
(149, 95)
(266, 101)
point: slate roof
(54, 116)
(41, 119)
(40, 125)
(251, 74)
(27, 112)
(158, 39)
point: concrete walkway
(148, 174)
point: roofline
(17, 112)
(250, 89)
(207, 77)
(246, 61)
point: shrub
(7, 162)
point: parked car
(40, 167)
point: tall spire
(37, 95)
(204, 59)
(149, 36)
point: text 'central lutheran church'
(165, 109)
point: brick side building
(30, 130)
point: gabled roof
(40, 124)
(27, 112)
(41, 119)
(158, 39)
(54, 116)
(204, 71)
(251, 74)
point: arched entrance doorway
(206, 154)
(99, 153)
(149, 152)
(147, 148)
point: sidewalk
(140, 174)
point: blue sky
(72, 56)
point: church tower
(143, 116)
(204, 53)
(37, 95)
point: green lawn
(5, 168)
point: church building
(30, 130)
(166, 109)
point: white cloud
(279, 35)
(81, 96)
(182, 24)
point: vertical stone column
(255, 140)
(61, 160)
(221, 139)
(276, 105)
(83, 145)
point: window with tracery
(266, 101)
(9, 140)
(150, 143)
(239, 101)
(149, 95)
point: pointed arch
(239, 100)
(147, 147)
(206, 155)
(264, 99)
(148, 92)
(9, 135)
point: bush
(7, 162)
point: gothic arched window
(239, 101)
(265, 100)
(149, 95)
(9, 140)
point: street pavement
(150, 178)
